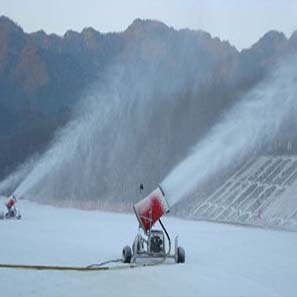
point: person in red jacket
(10, 205)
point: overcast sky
(242, 22)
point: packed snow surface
(221, 260)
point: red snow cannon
(151, 209)
(152, 244)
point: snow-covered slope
(222, 260)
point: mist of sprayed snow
(61, 167)
(100, 152)
(254, 121)
(120, 135)
(10, 183)
(112, 144)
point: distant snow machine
(150, 244)
(12, 212)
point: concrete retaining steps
(262, 192)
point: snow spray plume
(61, 166)
(94, 156)
(9, 184)
(254, 121)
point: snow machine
(12, 212)
(151, 244)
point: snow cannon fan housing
(151, 209)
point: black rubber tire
(181, 255)
(127, 254)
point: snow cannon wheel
(181, 255)
(126, 254)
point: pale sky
(242, 22)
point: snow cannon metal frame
(7, 216)
(151, 244)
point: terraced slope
(262, 192)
